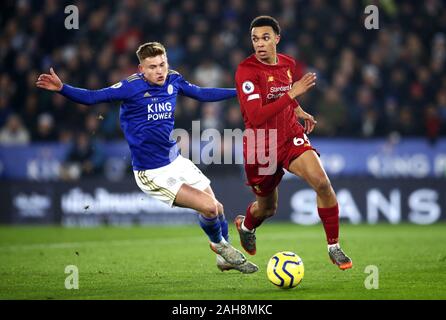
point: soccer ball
(285, 269)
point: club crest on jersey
(248, 87)
(271, 78)
(170, 89)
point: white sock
(223, 241)
(336, 245)
(246, 229)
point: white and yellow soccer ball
(285, 269)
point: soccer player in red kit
(267, 86)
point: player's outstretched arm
(206, 94)
(52, 82)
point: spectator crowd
(371, 83)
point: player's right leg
(207, 206)
(263, 208)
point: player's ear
(140, 68)
(277, 38)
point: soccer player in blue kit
(147, 120)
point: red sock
(250, 221)
(330, 220)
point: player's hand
(309, 121)
(49, 81)
(303, 85)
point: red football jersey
(261, 91)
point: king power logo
(159, 111)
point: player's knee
(322, 185)
(270, 210)
(210, 209)
(220, 208)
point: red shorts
(264, 185)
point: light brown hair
(150, 50)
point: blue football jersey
(147, 113)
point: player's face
(155, 69)
(264, 41)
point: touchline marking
(65, 245)
(125, 242)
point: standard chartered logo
(159, 111)
(277, 92)
(279, 89)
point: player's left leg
(309, 167)
(258, 211)
(221, 214)
(265, 206)
(190, 197)
(222, 264)
(181, 184)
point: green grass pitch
(161, 262)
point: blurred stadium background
(380, 104)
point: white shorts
(165, 182)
